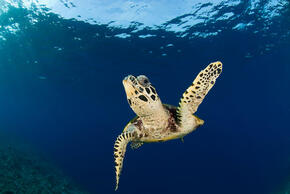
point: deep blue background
(70, 104)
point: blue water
(61, 70)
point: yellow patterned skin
(119, 153)
(195, 94)
(157, 122)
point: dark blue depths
(65, 96)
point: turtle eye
(143, 80)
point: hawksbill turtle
(157, 122)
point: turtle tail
(119, 153)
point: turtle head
(141, 95)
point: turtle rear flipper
(119, 152)
(195, 94)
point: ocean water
(61, 68)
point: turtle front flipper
(195, 94)
(119, 152)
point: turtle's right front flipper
(119, 152)
(195, 94)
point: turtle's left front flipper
(119, 152)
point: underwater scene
(70, 84)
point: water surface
(61, 67)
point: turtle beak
(128, 85)
(129, 78)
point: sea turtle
(157, 122)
